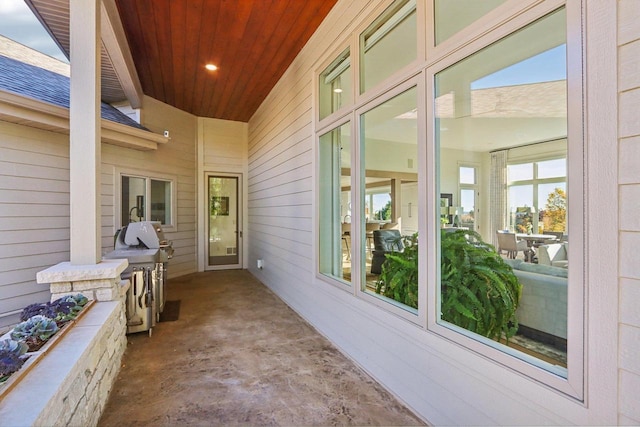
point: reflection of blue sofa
(543, 305)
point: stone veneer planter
(35, 356)
(71, 385)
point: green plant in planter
(61, 310)
(479, 291)
(16, 347)
(9, 363)
(34, 331)
(399, 275)
(10, 360)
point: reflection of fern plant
(478, 289)
(399, 276)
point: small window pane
(334, 206)
(132, 204)
(453, 15)
(467, 175)
(552, 168)
(335, 85)
(161, 201)
(467, 218)
(379, 44)
(521, 172)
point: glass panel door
(223, 248)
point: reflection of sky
(546, 169)
(18, 23)
(545, 67)
(522, 195)
(467, 175)
(466, 200)
(380, 201)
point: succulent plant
(9, 363)
(61, 310)
(16, 347)
(32, 310)
(38, 326)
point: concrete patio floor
(238, 355)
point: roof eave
(34, 113)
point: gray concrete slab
(238, 355)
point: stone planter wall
(71, 385)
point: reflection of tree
(384, 213)
(555, 214)
(523, 222)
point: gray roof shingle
(47, 86)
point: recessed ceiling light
(210, 67)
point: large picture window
(451, 204)
(506, 107)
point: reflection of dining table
(532, 240)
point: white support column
(84, 151)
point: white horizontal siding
(34, 213)
(176, 158)
(34, 200)
(222, 149)
(440, 380)
(629, 192)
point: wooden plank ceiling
(252, 42)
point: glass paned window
(143, 198)
(510, 100)
(389, 151)
(133, 199)
(161, 201)
(552, 169)
(520, 172)
(336, 87)
(334, 204)
(467, 175)
(453, 15)
(379, 44)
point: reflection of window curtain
(498, 193)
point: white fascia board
(34, 113)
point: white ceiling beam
(117, 48)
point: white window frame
(172, 179)
(573, 385)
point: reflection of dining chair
(384, 242)
(509, 243)
(558, 236)
(390, 226)
(370, 227)
(346, 232)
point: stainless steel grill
(143, 244)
